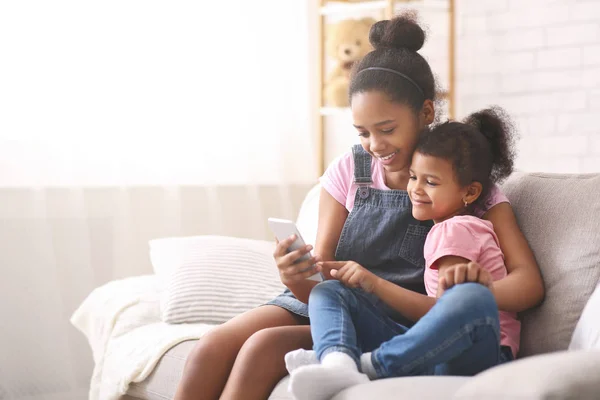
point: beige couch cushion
(162, 382)
(560, 216)
(561, 375)
(410, 388)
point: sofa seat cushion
(560, 375)
(162, 382)
(410, 388)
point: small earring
(466, 204)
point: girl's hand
(462, 273)
(352, 274)
(290, 272)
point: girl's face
(388, 130)
(434, 190)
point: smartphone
(283, 229)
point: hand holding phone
(283, 229)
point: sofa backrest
(308, 216)
(560, 217)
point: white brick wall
(540, 60)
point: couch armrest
(560, 375)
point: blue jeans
(460, 335)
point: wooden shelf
(331, 8)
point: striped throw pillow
(214, 278)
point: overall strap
(362, 166)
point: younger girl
(453, 170)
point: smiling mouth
(389, 156)
(419, 202)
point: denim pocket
(413, 243)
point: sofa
(560, 216)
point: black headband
(393, 71)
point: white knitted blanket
(121, 321)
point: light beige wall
(540, 60)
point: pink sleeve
(451, 238)
(494, 197)
(337, 179)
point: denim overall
(380, 234)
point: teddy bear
(346, 42)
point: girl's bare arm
(523, 287)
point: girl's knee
(471, 295)
(331, 293)
(214, 345)
(259, 364)
(260, 342)
(331, 284)
(469, 290)
(264, 348)
(328, 288)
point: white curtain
(122, 121)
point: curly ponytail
(496, 126)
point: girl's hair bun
(401, 32)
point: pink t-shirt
(474, 239)
(338, 180)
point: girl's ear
(473, 192)
(428, 112)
